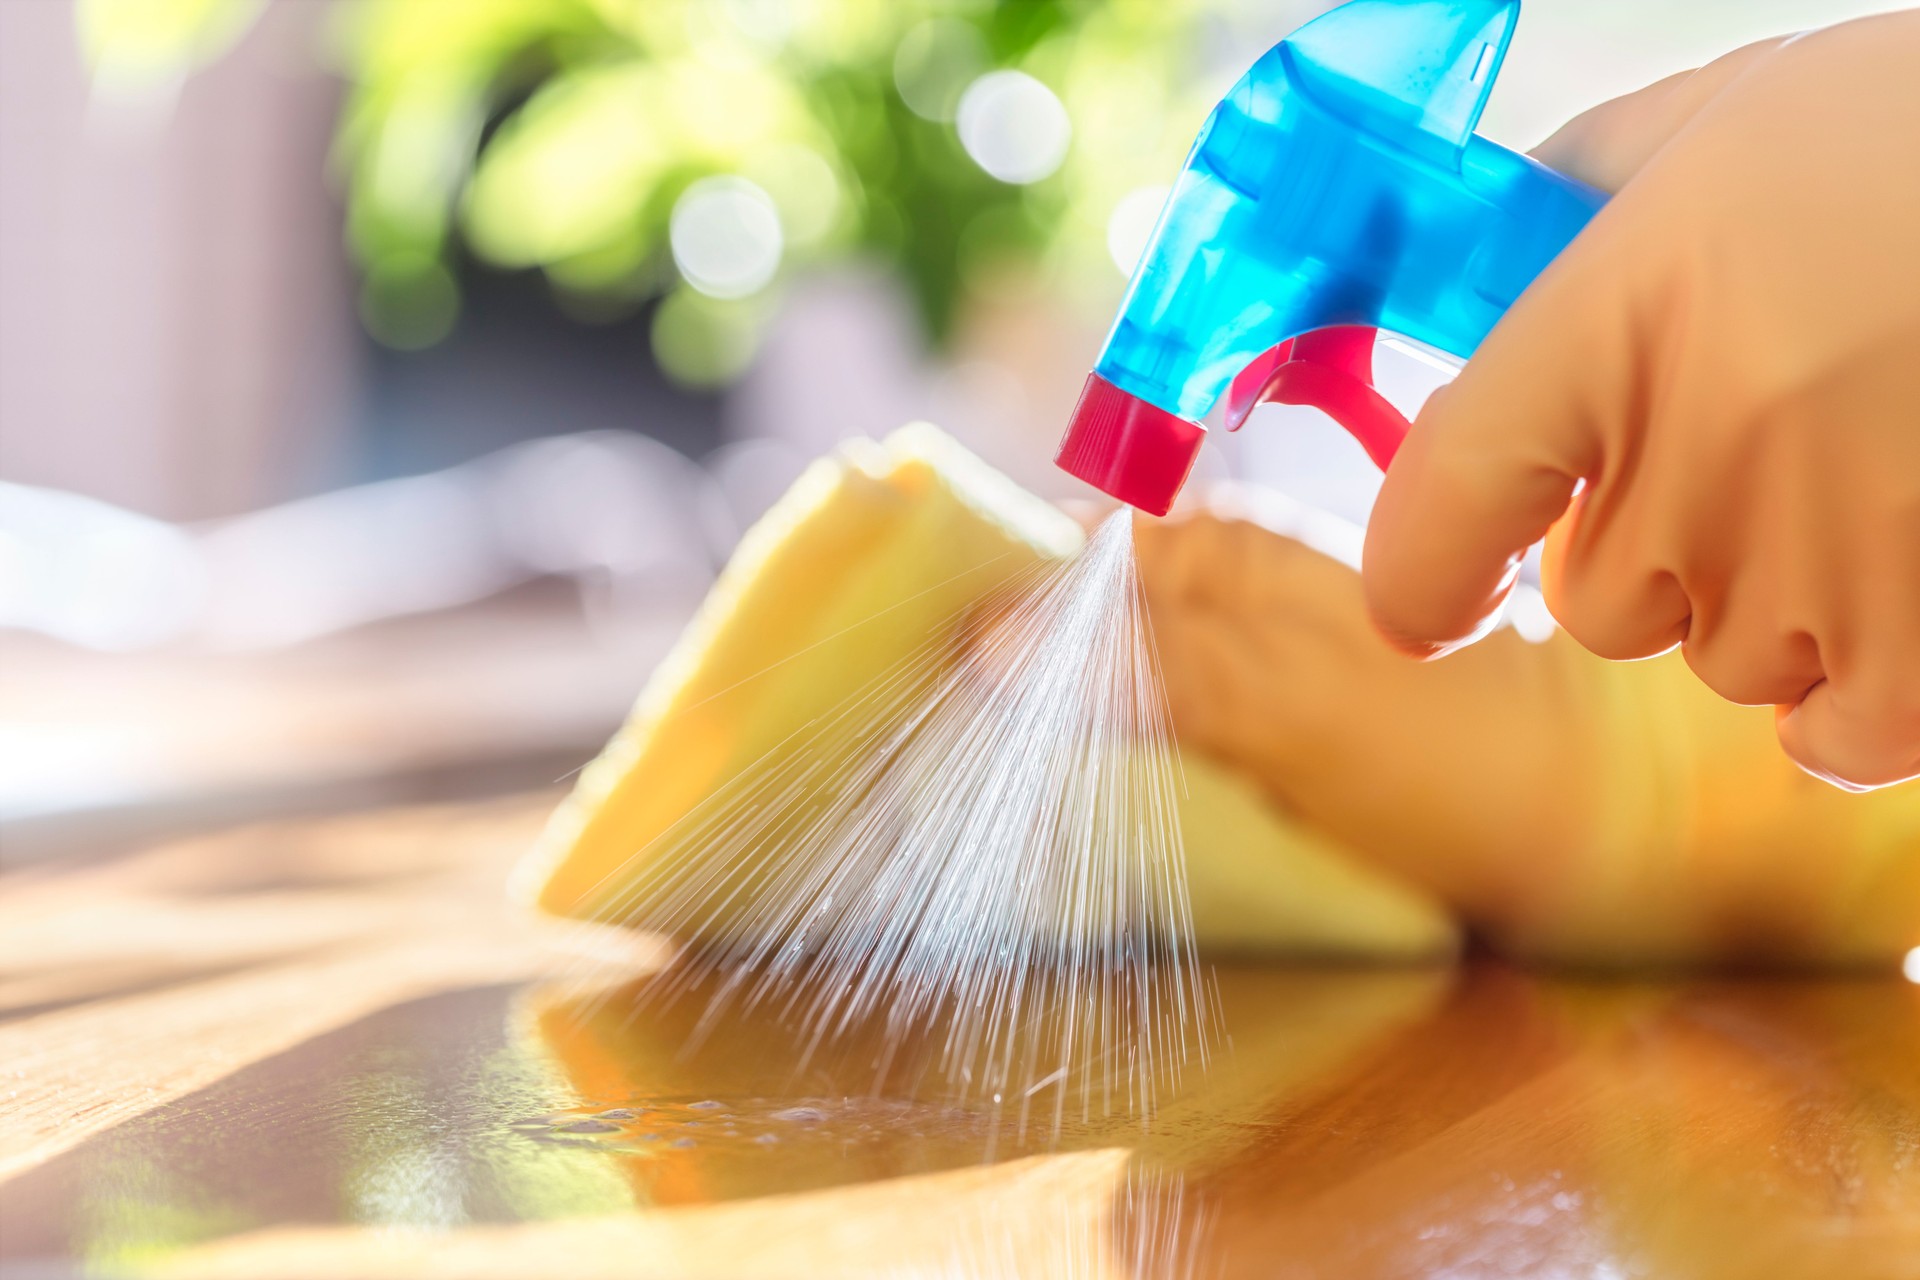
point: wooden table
(325, 1047)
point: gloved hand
(1713, 399)
(1566, 807)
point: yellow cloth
(875, 552)
(1712, 398)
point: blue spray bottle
(1338, 189)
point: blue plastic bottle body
(1292, 215)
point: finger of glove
(1754, 587)
(1604, 595)
(1860, 727)
(1606, 145)
(1854, 738)
(1494, 458)
(1746, 657)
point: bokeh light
(765, 23)
(934, 63)
(1014, 127)
(726, 237)
(806, 190)
(408, 301)
(703, 341)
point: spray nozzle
(1338, 189)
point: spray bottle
(1338, 189)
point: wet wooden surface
(326, 1048)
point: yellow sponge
(872, 555)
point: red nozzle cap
(1127, 448)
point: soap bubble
(1132, 223)
(726, 237)
(1014, 127)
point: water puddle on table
(653, 1125)
(1367, 1124)
(484, 1108)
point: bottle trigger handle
(1331, 370)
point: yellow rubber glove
(1715, 393)
(1566, 807)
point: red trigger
(1330, 370)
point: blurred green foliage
(559, 135)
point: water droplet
(801, 1115)
(681, 1142)
(589, 1126)
(618, 1113)
(708, 1105)
(767, 1139)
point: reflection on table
(360, 1063)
